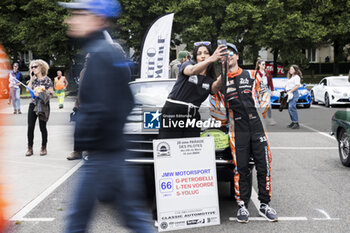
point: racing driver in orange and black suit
(247, 135)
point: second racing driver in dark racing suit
(247, 136)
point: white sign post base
(186, 184)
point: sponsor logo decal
(163, 149)
(243, 81)
(206, 86)
(163, 225)
(151, 120)
(193, 79)
(195, 221)
(230, 89)
(245, 86)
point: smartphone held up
(222, 42)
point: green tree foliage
(287, 27)
(137, 16)
(11, 36)
(49, 40)
(194, 20)
(335, 16)
(243, 26)
(35, 25)
(198, 20)
(295, 25)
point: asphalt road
(310, 187)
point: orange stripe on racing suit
(218, 111)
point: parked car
(341, 131)
(152, 93)
(279, 85)
(331, 90)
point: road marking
(256, 202)
(305, 148)
(31, 164)
(279, 219)
(315, 130)
(34, 219)
(36, 159)
(254, 198)
(23, 212)
(327, 217)
(24, 108)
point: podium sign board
(186, 184)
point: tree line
(286, 27)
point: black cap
(232, 46)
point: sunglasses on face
(34, 67)
(80, 13)
(202, 43)
(231, 54)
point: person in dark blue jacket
(15, 88)
(105, 102)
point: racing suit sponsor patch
(206, 86)
(230, 89)
(193, 79)
(244, 81)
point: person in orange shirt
(61, 84)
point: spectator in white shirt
(293, 83)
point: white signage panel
(156, 48)
(186, 184)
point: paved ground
(27, 177)
(310, 186)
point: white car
(331, 90)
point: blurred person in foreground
(247, 136)
(3, 204)
(100, 121)
(4, 69)
(15, 88)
